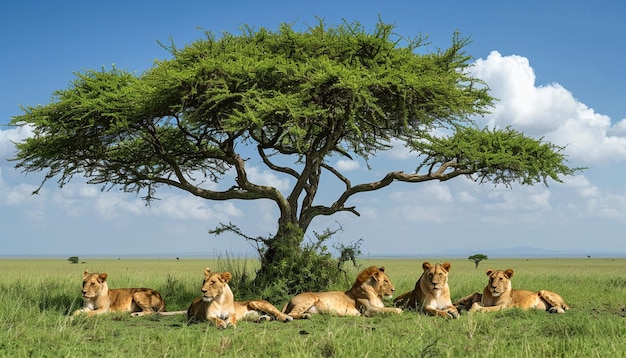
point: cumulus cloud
(10, 136)
(19, 194)
(346, 165)
(187, 207)
(581, 185)
(399, 151)
(530, 199)
(619, 128)
(548, 111)
(261, 177)
(430, 192)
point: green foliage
(73, 259)
(500, 156)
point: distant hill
(513, 252)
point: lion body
(364, 298)
(218, 305)
(499, 294)
(431, 294)
(99, 299)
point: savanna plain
(38, 296)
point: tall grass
(37, 298)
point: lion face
(214, 284)
(499, 281)
(435, 277)
(93, 284)
(384, 287)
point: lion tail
(171, 313)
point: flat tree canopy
(286, 96)
(477, 258)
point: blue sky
(556, 67)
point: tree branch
(338, 205)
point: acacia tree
(297, 98)
(477, 258)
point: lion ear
(446, 266)
(426, 266)
(207, 272)
(226, 276)
(508, 273)
(382, 269)
(85, 274)
(489, 272)
(102, 277)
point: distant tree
(292, 102)
(73, 259)
(477, 258)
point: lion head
(94, 284)
(214, 284)
(435, 277)
(499, 281)
(377, 279)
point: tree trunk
(283, 246)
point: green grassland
(37, 297)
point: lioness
(217, 304)
(498, 294)
(431, 294)
(99, 299)
(363, 298)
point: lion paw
(265, 318)
(287, 319)
(453, 314)
(556, 310)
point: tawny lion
(364, 298)
(431, 294)
(218, 305)
(99, 299)
(499, 294)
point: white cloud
(427, 202)
(466, 197)
(430, 192)
(419, 213)
(582, 186)
(550, 111)
(399, 151)
(10, 136)
(113, 206)
(20, 194)
(188, 207)
(346, 165)
(260, 177)
(530, 199)
(619, 128)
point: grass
(37, 297)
